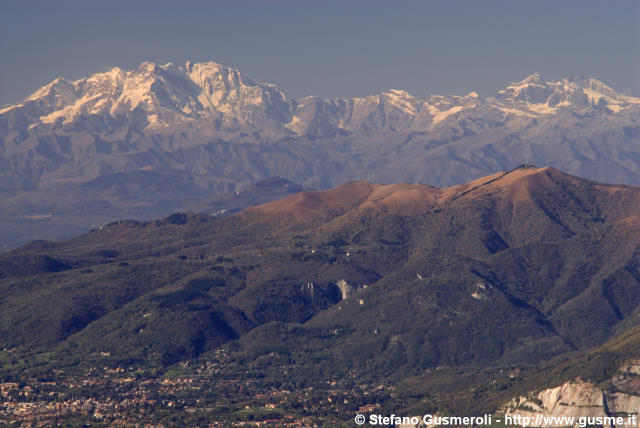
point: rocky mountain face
(600, 387)
(574, 400)
(144, 142)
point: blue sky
(327, 48)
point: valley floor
(187, 395)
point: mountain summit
(159, 96)
(538, 96)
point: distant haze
(327, 48)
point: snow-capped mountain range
(205, 94)
(140, 142)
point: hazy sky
(327, 48)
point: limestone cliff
(579, 399)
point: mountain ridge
(490, 283)
(191, 132)
(513, 185)
(133, 88)
(201, 89)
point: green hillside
(378, 282)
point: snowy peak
(54, 96)
(59, 89)
(228, 90)
(539, 96)
(596, 91)
(165, 94)
(401, 101)
(533, 79)
(533, 89)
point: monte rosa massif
(160, 138)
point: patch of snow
(401, 100)
(154, 121)
(594, 96)
(546, 108)
(615, 108)
(439, 116)
(629, 99)
(296, 125)
(69, 112)
(6, 109)
(516, 112)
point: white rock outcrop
(578, 399)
